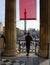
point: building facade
(1, 28)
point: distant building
(22, 32)
(17, 31)
(1, 28)
(32, 31)
(4, 30)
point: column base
(10, 53)
(42, 53)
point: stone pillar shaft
(43, 28)
(10, 28)
(49, 26)
(10, 23)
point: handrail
(34, 42)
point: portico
(10, 28)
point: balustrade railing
(34, 46)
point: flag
(27, 9)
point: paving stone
(3, 64)
(13, 61)
(4, 59)
(16, 63)
(10, 64)
(23, 60)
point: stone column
(49, 26)
(10, 29)
(43, 28)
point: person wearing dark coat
(2, 36)
(28, 40)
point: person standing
(2, 36)
(28, 40)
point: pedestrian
(28, 40)
(2, 36)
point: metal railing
(34, 46)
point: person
(2, 36)
(28, 40)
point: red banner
(27, 9)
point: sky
(20, 23)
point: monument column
(43, 49)
(10, 29)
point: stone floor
(22, 59)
